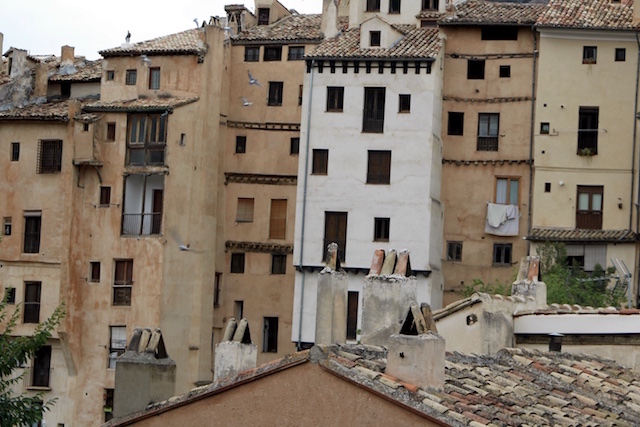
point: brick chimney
(329, 26)
(331, 307)
(235, 353)
(67, 54)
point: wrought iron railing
(141, 223)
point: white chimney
(235, 353)
(329, 25)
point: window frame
(502, 254)
(278, 263)
(590, 218)
(620, 54)
(146, 139)
(335, 230)
(111, 132)
(508, 197)
(378, 167)
(372, 6)
(32, 232)
(10, 295)
(294, 145)
(237, 263)
(295, 53)
(131, 77)
(430, 4)
(116, 344)
(320, 161)
(276, 90)
(381, 229)
(488, 141)
(252, 54)
(505, 71)
(154, 78)
(263, 15)
(105, 196)
(394, 6)
(7, 226)
(245, 209)
(373, 109)
(587, 133)
(270, 335)
(278, 219)
(335, 99)
(589, 54)
(452, 121)
(454, 251)
(122, 286)
(272, 53)
(476, 69)
(94, 271)
(404, 103)
(41, 367)
(110, 75)
(375, 38)
(32, 302)
(15, 151)
(241, 144)
(49, 156)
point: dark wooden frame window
(404, 103)
(502, 253)
(146, 139)
(278, 219)
(237, 263)
(455, 123)
(131, 77)
(263, 16)
(122, 282)
(335, 231)
(454, 251)
(499, 32)
(270, 335)
(507, 190)
(294, 146)
(295, 53)
(272, 53)
(373, 6)
(589, 207)
(588, 130)
(111, 74)
(589, 54)
(430, 4)
(320, 161)
(381, 229)
(505, 71)
(374, 38)
(154, 78)
(94, 271)
(15, 151)
(378, 167)
(275, 93)
(238, 309)
(251, 53)
(41, 367)
(49, 156)
(105, 196)
(394, 6)
(6, 226)
(32, 231)
(335, 99)
(621, 54)
(475, 69)
(108, 404)
(241, 144)
(488, 131)
(111, 131)
(117, 344)
(244, 211)
(10, 295)
(373, 112)
(32, 294)
(278, 264)
(352, 315)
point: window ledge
(38, 388)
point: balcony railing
(591, 220)
(487, 143)
(146, 156)
(141, 224)
(373, 121)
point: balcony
(487, 143)
(141, 224)
(143, 204)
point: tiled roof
(474, 12)
(302, 28)
(416, 43)
(577, 309)
(142, 104)
(87, 71)
(430, 14)
(591, 14)
(581, 235)
(53, 111)
(185, 43)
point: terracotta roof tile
(591, 14)
(294, 28)
(141, 104)
(580, 235)
(184, 43)
(474, 12)
(52, 111)
(86, 71)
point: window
(252, 53)
(32, 302)
(117, 344)
(373, 5)
(589, 209)
(108, 405)
(296, 53)
(238, 309)
(475, 69)
(588, 130)
(488, 126)
(320, 162)
(244, 213)
(6, 226)
(142, 209)
(85, 127)
(41, 367)
(278, 219)
(105, 196)
(154, 78)
(335, 98)
(502, 254)
(430, 4)
(544, 128)
(15, 151)
(270, 335)
(547, 187)
(373, 115)
(110, 75)
(589, 54)
(275, 93)
(505, 71)
(122, 282)
(237, 263)
(378, 167)
(381, 229)
(404, 103)
(507, 191)
(32, 226)
(49, 156)
(499, 32)
(146, 139)
(94, 271)
(454, 251)
(263, 16)
(335, 231)
(131, 77)
(10, 295)
(216, 290)
(374, 38)
(352, 315)
(455, 125)
(300, 88)
(621, 54)
(394, 6)
(272, 53)
(278, 264)
(111, 131)
(241, 144)
(294, 147)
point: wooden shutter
(278, 220)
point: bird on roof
(246, 102)
(128, 37)
(252, 80)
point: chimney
(331, 307)
(67, 54)
(527, 283)
(235, 353)
(388, 290)
(41, 84)
(329, 26)
(145, 373)
(417, 354)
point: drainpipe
(531, 132)
(633, 166)
(304, 205)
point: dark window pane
(237, 263)
(373, 114)
(379, 167)
(278, 264)
(320, 162)
(335, 231)
(381, 229)
(455, 124)
(32, 227)
(50, 156)
(32, 302)
(475, 69)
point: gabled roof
(417, 43)
(542, 234)
(294, 28)
(52, 111)
(140, 105)
(590, 14)
(184, 43)
(477, 12)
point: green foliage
(15, 352)
(478, 285)
(568, 284)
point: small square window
(374, 38)
(10, 295)
(544, 128)
(621, 54)
(237, 263)
(475, 69)
(252, 53)
(111, 74)
(272, 53)
(295, 146)
(378, 167)
(589, 54)
(6, 227)
(94, 271)
(111, 131)
(547, 187)
(296, 53)
(244, 211)
(105, 196)
(263, 16)
(455, 125)
(15, 151)
(320, 162)
(131, 77)
(454, 251)
(241, 144)
(278, 264)
(505, 71)
(381, 229)
(502, 254)
(394, 6)
(373, 5)
(404, 104)
(335, 99)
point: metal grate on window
(49, 156)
